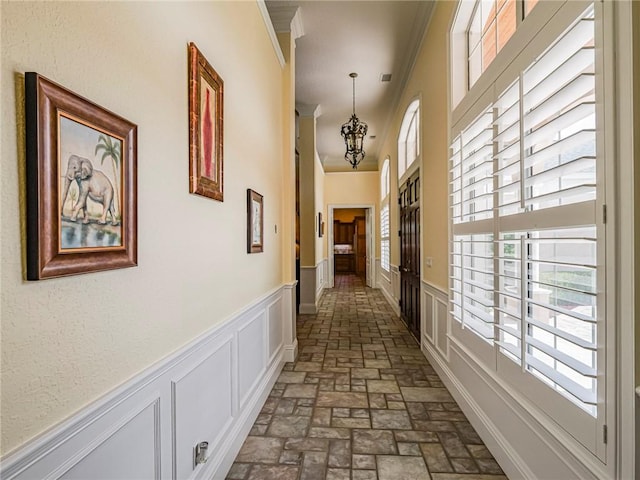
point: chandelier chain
(354, 95)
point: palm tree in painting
(111, 149)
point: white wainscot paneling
(136, 459)
(276, 337)
(321, 278)
(211, 390)
(442, 326)
(193, 394)
(429, 316)
(436, 318)
(386, 285)
(251, 355)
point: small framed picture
(81, 178)
(206, 105)
(255, 222)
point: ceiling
(370, 38)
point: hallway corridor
(360, 403)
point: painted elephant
(92, 184)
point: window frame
(410, 126)
(540, 30)
(527, 26)
(494, 17)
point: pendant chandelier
(353, 133)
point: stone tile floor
(360, 403)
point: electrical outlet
(200, 454)
(428, 261)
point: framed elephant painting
(81, 184)
(206, 103)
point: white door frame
(371, 246)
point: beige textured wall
(66, 342)
(307, 150)
(354, 188)
(347, 188)
(428, 81)
(287, 223)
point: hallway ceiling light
(353, 133)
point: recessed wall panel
(202, 404)
(251, 354)
(428, 316)
(441, 319)
(134, 445)
(275, 327)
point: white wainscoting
(435, 323)
(322, 272)
(312, 283)
(510, 427)
(211, 390)
(389, 284)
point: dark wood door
(409, 201)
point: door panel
(409, 201)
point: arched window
(409, 138)
(384, 215)
(384, 179)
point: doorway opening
(351, 242)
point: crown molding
(287, 19)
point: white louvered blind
(539, 149)
(559, 121)
(553, 324)
(508, 152)
(471, 171)
(471, 186)
(472, 283)
(384, 236)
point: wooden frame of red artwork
(205, 127)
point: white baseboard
(290, 352)
(211, 390)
